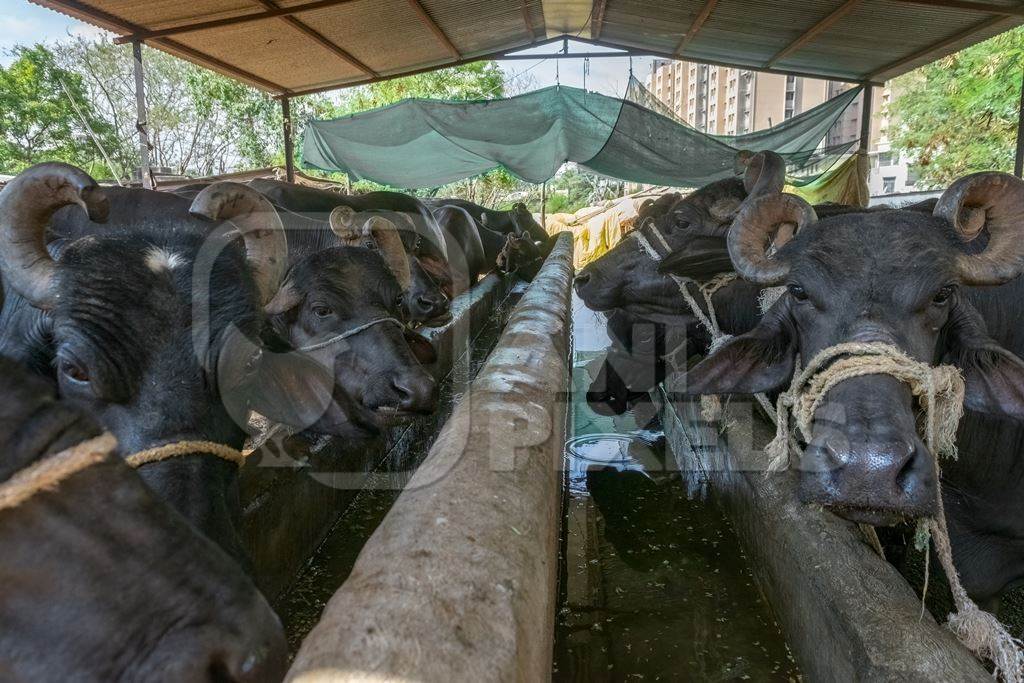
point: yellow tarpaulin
(844, 183)
(596, 229)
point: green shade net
(421, 143)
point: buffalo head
(893, 277)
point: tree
(200, 122)
(478, 80)
(38, 116)
(959, 115)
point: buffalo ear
(758, 361)
(286, 299)
(994, 377)
(422, 350)
(287, 387)
(702, 264)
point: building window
(885, 159)
(888, 184)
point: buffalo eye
(398, 300)
(74, 371)
(798, 292)
(370, 244)
(322, 311)
(942, 296)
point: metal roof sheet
(290, 47)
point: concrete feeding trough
(458, 582)
(847, 614)
(294, 489)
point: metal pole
(1018, 162)
(289, 150)
(863, 165)
(544, 205)
(865, 119)
(141, 121)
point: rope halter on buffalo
(940, 392)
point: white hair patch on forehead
(158, 259)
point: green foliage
(37, 119)
(959, 115)
(479, 80)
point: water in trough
(653, 583)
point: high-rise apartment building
(727, 101)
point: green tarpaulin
(427, 143)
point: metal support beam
(1018, 160)
(865, 118)
(228, 21)
(442, 37)
(141, 122)
(289, 150)
(695, 27)
(597, 18)
(982, 7)
(812, 33)
(503, 54)
(544, 205)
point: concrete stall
(847, 614)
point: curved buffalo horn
(758, 219)
(266, 245)
(765, 172)
(389, 241)
(377, 233)
(342, 221)
(26, 206)
(994, 201)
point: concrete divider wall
(847, 614)
(294, 490)
(458, 582)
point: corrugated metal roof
(335, 43)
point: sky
(24, 23)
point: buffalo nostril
(907, 476)
(415, 392)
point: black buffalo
(430, 288)
(101, 581)
(157, 329)
(331, 291)
(928, 284)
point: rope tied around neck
(350, 333)
(940, 392)
(48, 473)
(182, 448)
